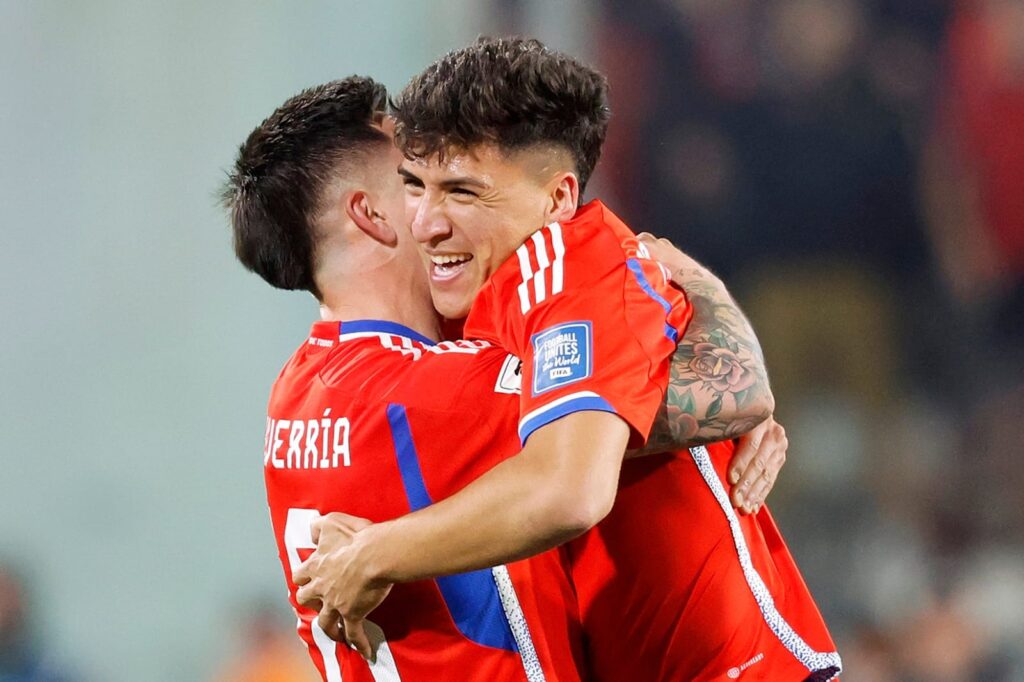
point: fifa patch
(562, 355)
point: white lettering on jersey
(308, 444)
(460, 346)
(414, 349)
(549, 258)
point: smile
(449, 266)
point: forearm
(718, 386)
(529, 503)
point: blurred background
(854, 169)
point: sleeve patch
(510, 378)
(562, 355)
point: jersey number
(297, 536)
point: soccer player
(364, 416)
(501, 137)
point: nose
(430, 224)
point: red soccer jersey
(673, 585)
(593, 319)
(371, 420)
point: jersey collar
(382, 327)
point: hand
(755, 467)
(336, 579)
(668, 254)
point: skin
(480, 205)
(475, 207)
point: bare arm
(718, 388)
(562, 483)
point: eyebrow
(445, 184)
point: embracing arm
(718, 387)
(561, 484)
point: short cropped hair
(512, 92)
(274, 191)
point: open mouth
(449, 265)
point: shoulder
(459, 376)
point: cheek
(412, 203)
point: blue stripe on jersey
(384, 327)
(594, 402)
(472, 598)
(634, 266)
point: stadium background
(853, 168)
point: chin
(452, 307)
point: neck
(369, 300)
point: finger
(763, 486)
(646, 237)
(308, 596)
(315, 526)
(335, 630)
(303, 573)
(345, 524)
(746, 449)
(355, 635)
(329, 621)
(744, 487)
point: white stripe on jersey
(555, 403)
(556, 270)
(540, 248)
(517, 622)
(549, 258)
(326, 645)
(811, 659)
(526, 272)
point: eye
(412, 184)
(463, 192)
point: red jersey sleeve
(593, 319)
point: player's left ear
(563, 197)
(360, 208)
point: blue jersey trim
(384, 327)
(472, 598)
(634, 266)
(594, 402)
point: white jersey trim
(555, 403)
(549, 259)
(808, 657)
(517, 622)
(414, 349)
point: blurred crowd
(855, 170)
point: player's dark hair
(275, 188)
(512, 92)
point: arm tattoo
(718, 387)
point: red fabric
(590, 284)
(660, 578)
(357, 378)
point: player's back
(372, 420)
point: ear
(564, 197)
(359, 208)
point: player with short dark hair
(462, 101)
(278, 183)
(364, 415)
(704, 594)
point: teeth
(446, 259)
